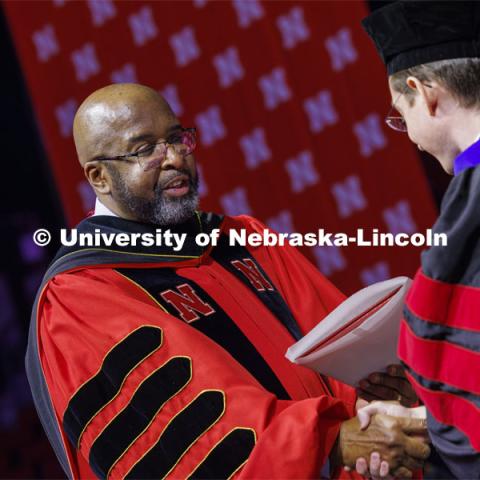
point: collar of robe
(468, 158)
(78, 255)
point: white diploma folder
(359, 337)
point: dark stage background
(289, 100)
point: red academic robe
(150, 363)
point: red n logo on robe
(188, 304)
(251, 271)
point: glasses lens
(396, 123)
(189, 140)
(155, 158)
(183, 145)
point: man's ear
(98, 177)
(429, 94)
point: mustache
(171, 174)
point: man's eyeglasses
(183, 143)
(396, 122)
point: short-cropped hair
(461, 76)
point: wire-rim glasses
(151, 156)
(396, 122)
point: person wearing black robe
(432, 54)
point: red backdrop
(288, 99)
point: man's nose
(173, 159)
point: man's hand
(377, 469)
(392, 385)
(389, 437)
(394, 409)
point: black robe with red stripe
(440, 334)
(147, 363)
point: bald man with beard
(147, 362)
(129, 192)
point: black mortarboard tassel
(410, 33)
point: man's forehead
(111, 115)
(139, 133)
(125, 114)
(110, 132)
(131, 110)
(135, 124)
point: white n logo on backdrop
(329, 259)
(399, 218)
(302, 171)
(85, 62)
(282, 222)
(376, 273)
(274, 88)
(65, 114)
(125, 74)
(228, 66)
(320, 111)
(255, 148)
(210, 125)
(170, 93)
(370, 134)
(247, 12)
(101, 11)
(341, 49)
(293, 28)
(143, 26)
(236, 202)
(185, 46)
(46, 43)
(349, 196)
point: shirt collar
(101, 209)
(468, 158)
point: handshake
(395, 438)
